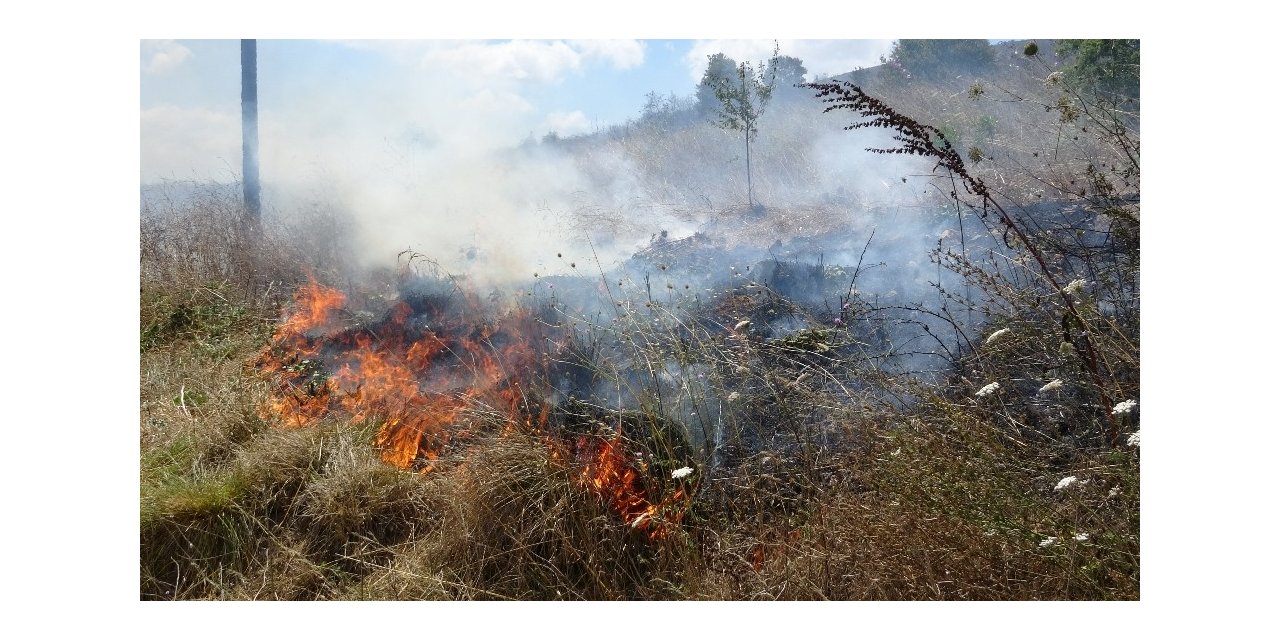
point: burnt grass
(821, 470)
(849, 434)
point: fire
(417, 370)
(613, 477)
(610, 472)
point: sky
(317, 97)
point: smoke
(821, 57)
(427, 157)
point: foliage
(667, 112)
(1079, 327)
(1110, 66)
(721, 69)
(986, 126)
(788, 74)
(743, 100)
(936, 59)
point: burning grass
(690, 426)
(421, 448)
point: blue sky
(315, 94)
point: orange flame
(620, 483)
(418, 381)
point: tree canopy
(787, 71)
(934, 59)
(720, 69)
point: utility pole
(249, 130)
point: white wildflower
(1135, 438)
(1048, 542)
(1074, 287)
(1115, 491)
(1081, 537)
(1124, 407)
(681, 472)
(1065, 482)
(997, 335)
(1053, 385)
(987, 390)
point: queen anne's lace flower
(1065, 482)
(681, 472)
(1048, 542)
(1081, 537)
(1124, 407)
(1074, 287)
(1135, 439)
(987, 390)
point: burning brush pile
(433, 370)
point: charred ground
(836, 395)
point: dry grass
(820, 472)
(943, 507)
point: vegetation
(693, 426)
(1109, 66)
(937, 59)
(744, 98)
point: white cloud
(511, 60)
(829, 57)
(163, 56)
(623, 54)
(544, 61)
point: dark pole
(249, 129)
(747, 120)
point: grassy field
(746, 462)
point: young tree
(742, 102)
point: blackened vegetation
(928, 141)
(656, 445)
